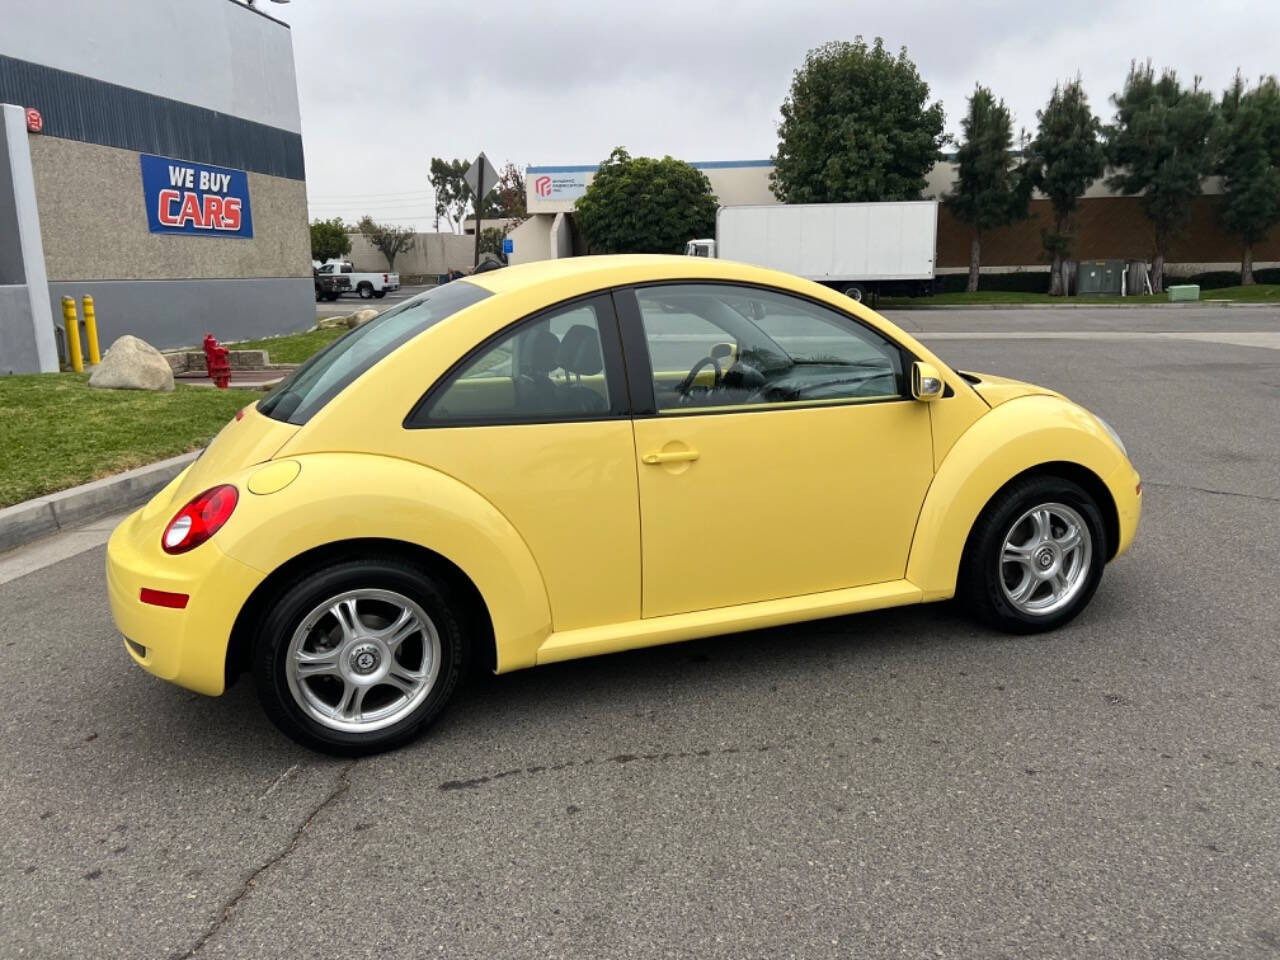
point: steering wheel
(685, 386)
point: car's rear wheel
(379, 294)
(366, 291)
(1035, 556)
(358, 657)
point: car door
(536, 421)
(778, 452)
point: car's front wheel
(1035, 556)
(358, 657)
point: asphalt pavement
(349, 303)
(897, 784)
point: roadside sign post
(481, 178)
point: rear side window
(329, 372)
(559, 365)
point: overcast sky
(387, 84)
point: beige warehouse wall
(532, 239)
(93, 219)
(432, 254)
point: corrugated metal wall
(81, 108)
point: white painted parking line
(1267, 339)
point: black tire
(980, 588)
(365, 290)
(295, 600)
(379, 294)
(331, 297)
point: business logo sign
(35, 122)
(560, 186)
(195, 198)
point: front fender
(346, 496)
(1012, 438)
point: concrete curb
(33, 519)
(1103, 305)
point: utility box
(1184, 291)
(1100, 278)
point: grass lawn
(56, 433)
(293, 347)
(1258, 293)
(1263, 292)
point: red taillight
(385, 279)
(200, 519)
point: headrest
(580, 351)
(544, 353)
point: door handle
(669, 456)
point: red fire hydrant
(217, 361)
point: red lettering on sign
(212, 212)
(177, 208)
(231, 213)
(167, 198)
(190, 212)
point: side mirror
(721, 351)
(926, 382)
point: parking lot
(350, 302)
(895, 784)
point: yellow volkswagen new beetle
(588, 455)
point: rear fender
(347, 496)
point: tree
(491, 241)
(642, 205)
(329, 239)
(454, 200)
(1063, 160)
(856, 126)
(1248, 159)
(991, 189)
(391, 241)
(508, 198)
(1159, 147)
(453, 196)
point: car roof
(597, 272)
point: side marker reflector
(162, 598)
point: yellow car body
(602, 534)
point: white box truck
(853, 247)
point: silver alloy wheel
(1044, 563)
(363, 660)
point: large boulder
(361, 317)
(133, 364)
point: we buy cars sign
(186, 197)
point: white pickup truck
(366, 284)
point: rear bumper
(185, 646)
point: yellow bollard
(91, 330)
(72, 323)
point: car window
(347, 268)
(550, 367)
(325, 375)
(714, 345)
(327, 268)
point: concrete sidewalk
(33, 519)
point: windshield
(329, 372)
